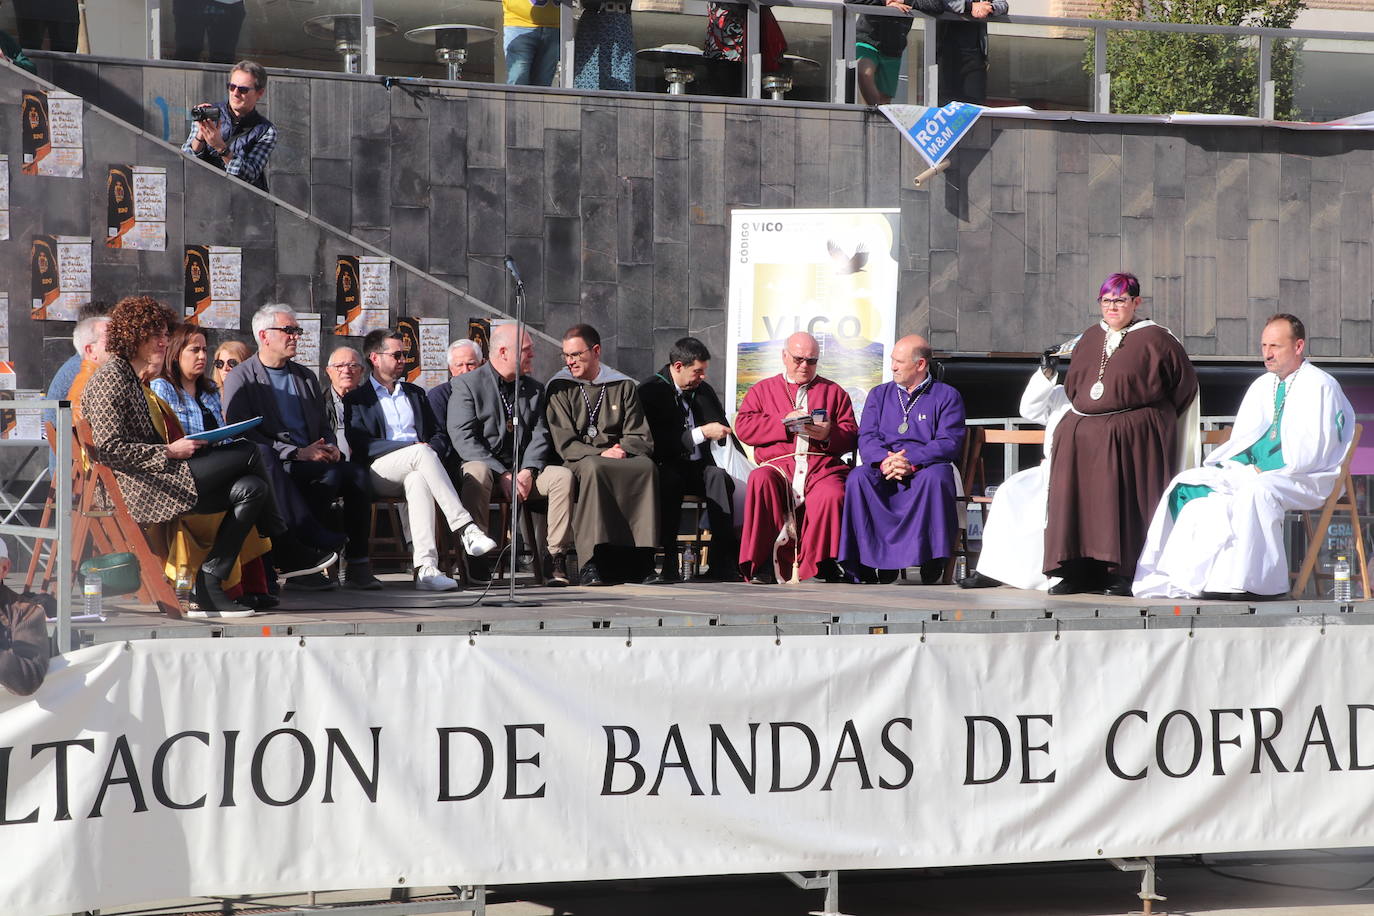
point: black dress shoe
(888, 576)
(718, 575)
(258, 602)
(591, 576)
(1118, 586)
(831, 572)
(976, 579)
(667, 577)
(932, 571)
(763, 577)
(1070, 587)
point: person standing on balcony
(604, 54)
(963, 50)
(219, 20)
(531, 41)
(238, 139)
(59, 21)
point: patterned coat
(156, 487)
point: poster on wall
(52, 142)
(479, 332)
(426, 350)
(136, 208)
(60, 276)
(362, 289)
(4, 197)
(308, 345)
(831, 273)
(214, 278)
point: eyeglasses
(1116, 302)
(804, 360)
(226, 363)
(347, 367)
(241, 90)
(394, 354)
(569, 357)
(291, 330)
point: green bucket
(119, 573)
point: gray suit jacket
(477, 420)
(248, 394)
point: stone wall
(617, 207)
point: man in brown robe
(599, 429)
(1117, 448)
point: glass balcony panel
(1332, 77)
(1043, 67)
(303, 36)
(468, 48)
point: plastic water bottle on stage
(1341, 573)
(183, 587)
(92, 595)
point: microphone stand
(511, 600)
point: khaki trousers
(553, 484)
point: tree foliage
(1161, 72)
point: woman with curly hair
(163, 474)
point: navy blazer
(365, 424)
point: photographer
(232, 135)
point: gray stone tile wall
(618, 208)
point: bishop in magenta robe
(800, 478)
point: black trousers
(320, 483)
(60, 24)
(197, 19)
(231, 479)
(697, 478)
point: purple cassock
(893, 524)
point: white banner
(160, 769)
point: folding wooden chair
(1342, 498)
(104, 525)
(973, 474)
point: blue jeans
(531, 55)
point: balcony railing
(370, 37)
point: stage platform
(703, 609)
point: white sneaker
(475, 543)
(206, 615)
(429, 579)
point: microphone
(515, 274)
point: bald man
(801, 426)
(899, 499)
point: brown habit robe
(617, 498)
(1109, 469)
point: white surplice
(1232, 539)
(1013, 537)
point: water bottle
(1341, 573)
(183, 587)
(689, 562)
(92, 594)
(961, 568)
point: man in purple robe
(899, 499)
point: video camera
(205, 112)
